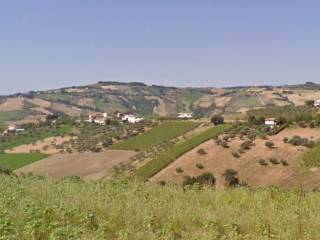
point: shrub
(299, 141)
(5, 171)
(302, 124)
(217, 119)
(269, 144)
(285, 140)
(179, 170)
(231, 178)
(206, 178)
(236, 154)
(201, 151)
(224, 144)
(199, 165)
(162, 183)
(246, 144)
(284, 163)
(274, 161)
(263, 162)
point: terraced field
(163, 132)
(15, 161)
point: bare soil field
(12, 104)
(300, 96)
(205, 101)
(47, 146)
(218, 159)
(88, 166)
(86, 102)
(39, 102)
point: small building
(130, 118)
(185, 115)
(316, 103)
(98, 118)
(271, 122)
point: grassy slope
(312, 157)
(15, 161)
(167, 157)
(43, 209)
(29, 139)
(163, 132)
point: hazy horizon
(47, 45)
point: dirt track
(88, 166)
(218, 159)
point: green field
(312, 157)
(13, 115)
(34, 208)
(167, 157)
(15, 161)
(165, 131)
(29, 138)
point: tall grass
(167, 157)
(312, 157)
(41, 209)
(163, 132)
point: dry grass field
(70, 111)
(47, 146)
(12, 104)
(39, 102)
(88, 166)
(218, 159)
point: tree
(269, 144)
(231, 178)
(217, 119)
(309, 103)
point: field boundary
(164, 159)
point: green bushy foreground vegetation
(312, 157)
(167, 157)
(37, 208)
(14, 161)
(163, 132)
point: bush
(5, 171)
(236, 154)
(179, 170)
(199, 165)
(269, 144)
(263, 162)
(224, 144)
(246, 144)
(302, 124)
(217, 119)
(285, 140)
(206, 178)
(284, 163)
(299, 141)
(201, 151)
(231, 178)
(274, 161)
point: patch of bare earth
(218, 159)
(88, 166)
(299, 97)
(41, 110)
(47, 146)
(161, 108)
(12, 104)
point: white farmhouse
(270, 122)
(132, 119)
(316, 103)
(185, 115)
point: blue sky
(49, 44)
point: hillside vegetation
(34, 208)
(163, 132)
(164, 159)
